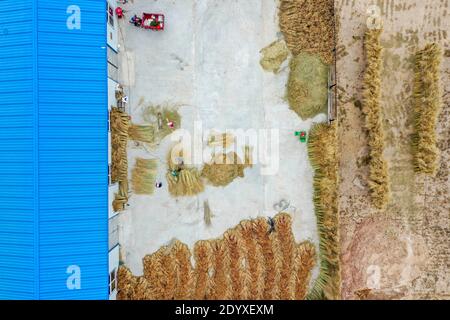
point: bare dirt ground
(404, 251)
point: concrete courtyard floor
(206, 61)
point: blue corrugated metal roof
(17, 212)
(53, 150)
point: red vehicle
(152, 21)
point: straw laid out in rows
(251, 261)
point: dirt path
(403, 251)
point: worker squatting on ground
(136, 21)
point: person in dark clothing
(136, 21)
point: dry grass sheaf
(248, 262)
(120, 123)
(143, 176)
(378, 170)
(142, 133)
(156, 127)
(307, 89)
(427, 106)
(322, 148)
(274, 55)
(225, 167)
(186, 180)
(158, 117)
(308, 26)
(182, 180)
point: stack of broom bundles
(251, 261)
(378, 171)
(120, 123)
(121, 198)
(427, 106)
(322, 148)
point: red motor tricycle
(152, 21)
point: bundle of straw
(378, 175)
(187, 183)
(288, 255)
(143, 176)
(142, 133)
(308, 26)
(254, 271)
(154, 273)
(307, 89)
(126, 283)
(182, 180)
(322, 148)
(184, 272)
(427, 106)
(225, 168)
(203, 262)
(159, 117)
(121, 198)
(273, 56)
(120, 123)
(305, 259)
(220, 283)
(236, 257)
(271, 252)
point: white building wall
(112, 34)
(112, 25)
(113, 266)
